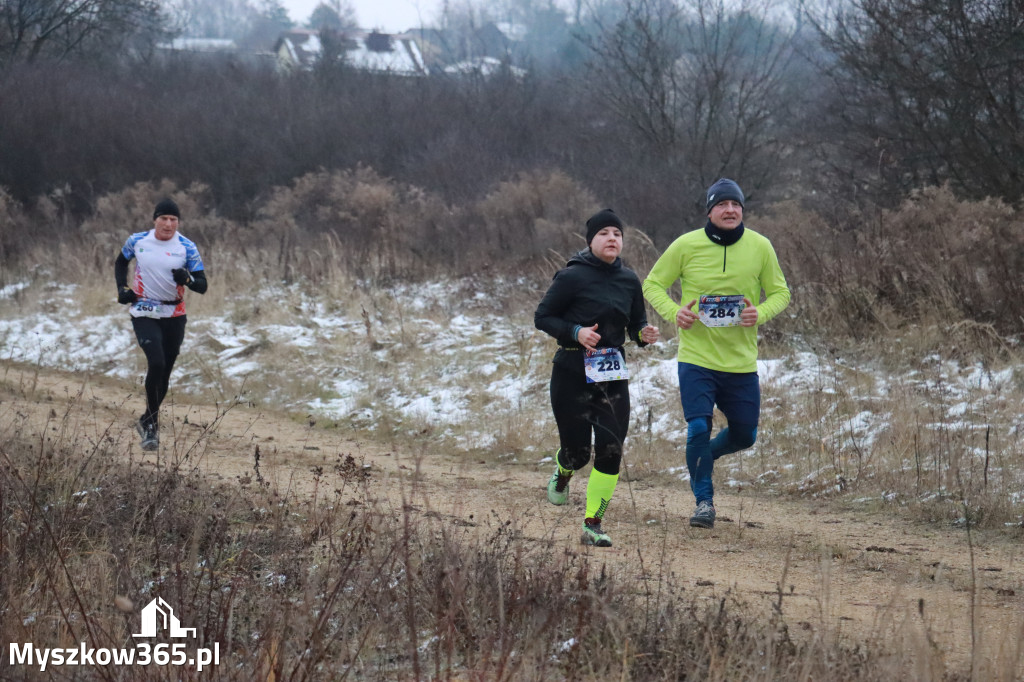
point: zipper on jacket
(725, 253)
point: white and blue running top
(158, 295)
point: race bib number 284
(720, 311)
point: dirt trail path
(832, 573)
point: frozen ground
(467, 373)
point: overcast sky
(390, 16)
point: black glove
(181, 276)
(125, 296)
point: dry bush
(226, 248)
(535, 213)
(130, 210)
(827, 297)
(120, 214)
(355, 222)
(15, 233)
(28, 235)
(941, 257)
(370, 227)
(929, 272)
(934, 261)
(86, 252)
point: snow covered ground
(471, 376)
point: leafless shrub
(365, 224)
(937, 271)
(14, 231)
(933, 261)
(533, 214)
(131, 210)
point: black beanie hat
(600, 220)
(723, 190)
(166, 207)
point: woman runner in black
(591, 307)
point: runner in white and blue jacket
(165, 264)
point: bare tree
(58, 29)
(333, 15)
(211, 18)
(928, 92)
(266, 23)
(708, 89)
(634, 67)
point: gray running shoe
(593, 535)
(558, 488)
(703, 515)
(148, 434)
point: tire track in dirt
(829, 573)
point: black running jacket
(588, 291)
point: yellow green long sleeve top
(703, 267)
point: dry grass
(339, 300)
(896, 386)
(938, 445)
(330, 586)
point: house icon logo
(158, 614)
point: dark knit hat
(600, 220)
(166, 207)
(724, 190)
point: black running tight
(160, 339)
(582, 409)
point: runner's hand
(588, 337)
(649, 334)
(748, 316)
(686, 317)
(181, 276)
(126, 296)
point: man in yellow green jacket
(722, 270)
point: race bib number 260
(146, 308)
(604, 364)
(720, 311)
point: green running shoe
(593, 535)
(558, 488)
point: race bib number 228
(604, 364)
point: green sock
(562, 471)
(599, 493)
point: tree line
(644, 102)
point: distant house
(435, 45)
(211, 50)
(491, 41)
(205, 45)
(398, 54)
(484, 66)
(470, 51)
(512, 32)
(206, 50)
